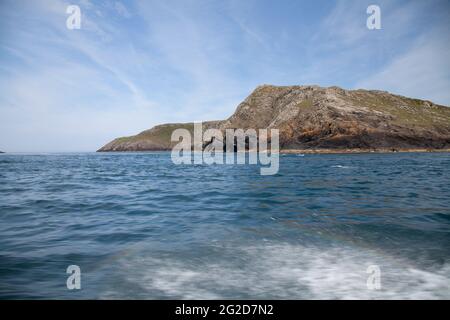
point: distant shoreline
(359, 150)
(318, 151)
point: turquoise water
(139, 226)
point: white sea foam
(281, 272)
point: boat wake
(280, 271)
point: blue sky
(134, 64)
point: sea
(138, 226)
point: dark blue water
(139, 226)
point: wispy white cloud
(191, 43)
(72, 83)
(421, 72)
(122, 10)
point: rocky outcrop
(154, 139)
(313, 117)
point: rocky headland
(322, 120)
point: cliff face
(312, 117)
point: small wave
(341, 166)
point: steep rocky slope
(312, 117)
